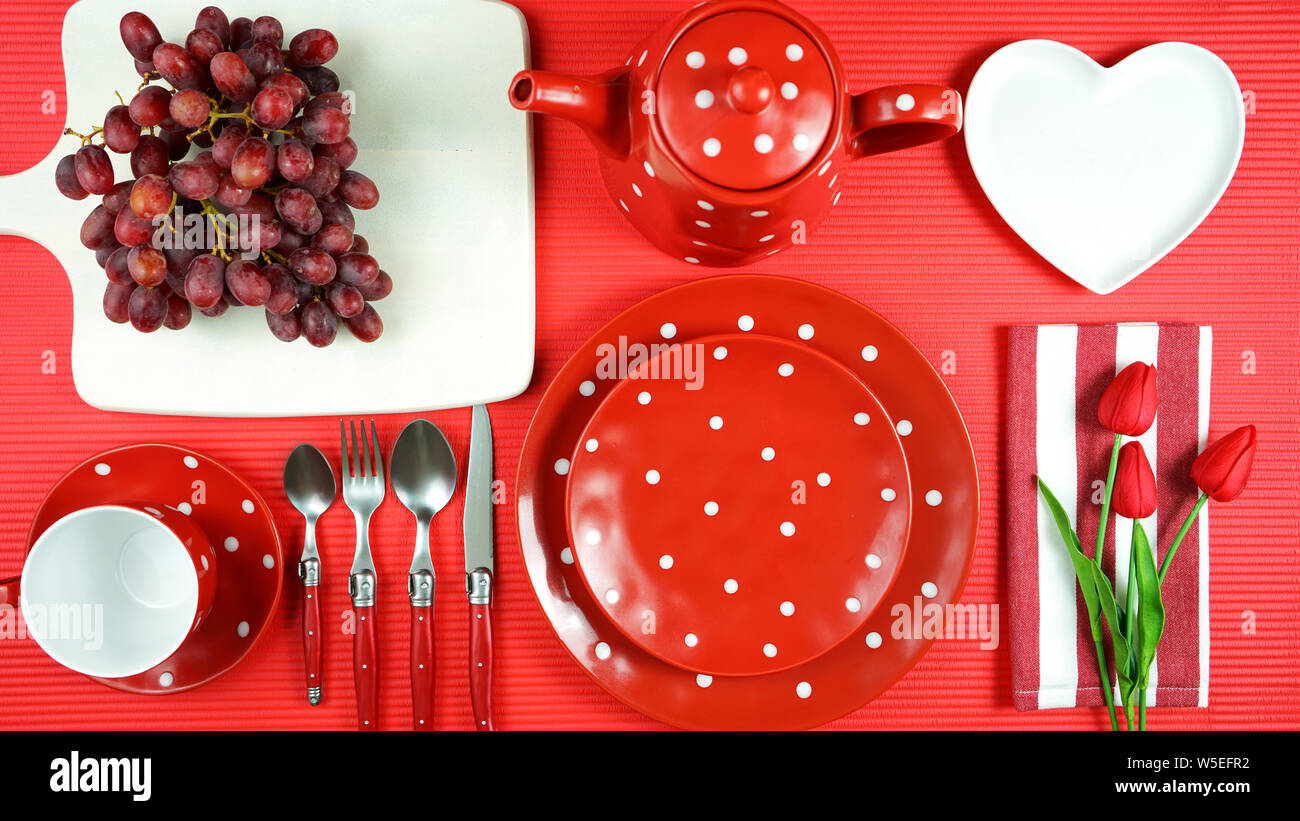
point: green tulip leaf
(1124, 660)
(1097, 596)
(1083, 566)
(1151, 610)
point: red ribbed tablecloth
(913, 238)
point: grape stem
(86, 139)
(212, 213)
(218, 114)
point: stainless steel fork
(363, 491)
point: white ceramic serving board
(1103, 171)
(454, 224)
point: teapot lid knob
(750, 90)
(745, 99)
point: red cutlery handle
(480, 664)
(365, 668)
(311, 641)
(422, 667)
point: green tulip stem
(1182, 532)
(1105, 683)
(1130, 598)
(1142, 709)
(1130, 610)
(1105, 502)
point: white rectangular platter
(454, 225)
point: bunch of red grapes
(261, 215)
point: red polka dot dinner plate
(940, 465)
(738, 504)
(230, 512)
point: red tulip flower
(1135, 485)
(1128, 405)
(1220, 472)
(1222, 468)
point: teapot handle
(903, 116)
(9, 591)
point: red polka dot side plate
(941, 468)
(232, 514)
(739, 504)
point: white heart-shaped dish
(1101, 170)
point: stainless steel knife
(479, 566)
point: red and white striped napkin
(1056, 376)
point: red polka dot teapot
(725, 135)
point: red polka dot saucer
(942, 486)
(739, 504)
(235, 518)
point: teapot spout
(598, 105)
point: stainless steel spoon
(309, 484)
(423, 472)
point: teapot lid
(745, 99)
